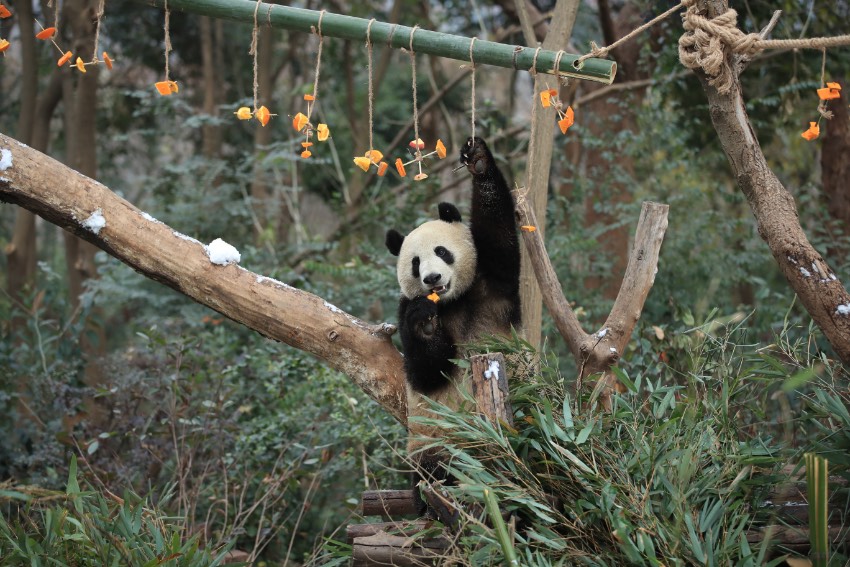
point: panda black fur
(475, 271)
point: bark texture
(66, 198)
(815, 283)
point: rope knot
(706, 40)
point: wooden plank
(405, 528)
(386, 549)
(388, 503)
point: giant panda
(474, 270)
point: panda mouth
(440, 289)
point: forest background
(160, 395)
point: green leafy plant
(86, 527)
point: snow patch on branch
(95, 222)
(147, 217)
(492, 370)
(5, 159)
(843, 309)
(222, 253)
(277, 283)
(602, 333)
(805, 272)
(189, 238)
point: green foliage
(86, 527)
(676, 473)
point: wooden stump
(489, 387)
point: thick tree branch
(599, 351)
(816, 284)
(66, 198)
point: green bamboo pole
(398, 36)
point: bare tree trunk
(66, 198)
(815, 283)
(539, 163)
(835, 168)
(21, 253)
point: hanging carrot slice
(382, 168)
(399, 166)
(309, 97)
(374, 156)
(64, 59)
(46, 33)
(813, 131)
(417, 144)
(441, 149)
(4, 13)
(244, 113)
(567, 121)
(107, 60)
(79, 64)
(4, 45)
(306, 153)
(546, 96)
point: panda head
(437, 256)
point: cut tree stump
(489, 385)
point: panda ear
(393, 241)
(448, 212)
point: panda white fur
(475, 271)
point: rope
(603, 51)
(253, 51)
(472, 63)
(703, 45)
(100, 9)
(167, 38)
(371, 91)
(533, 69)
(558, 65)
(317, 31)
(415, 107)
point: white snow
(832, 277)
(184, 237)
(95, 222)
(815, 268)
(261, 279)
(5, 159)
(792, 260)
(222, 253)
(843, 309)
(602, 333)
(334, 308)
(612, 349)
(493, 370)
(147, 217)
(805, 272)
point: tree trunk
(835, 168)
(814, 282)
(21, 253)
(539, 163)
(66, 198)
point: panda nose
(431, 279)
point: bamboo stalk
(398, 37)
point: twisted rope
(253, 51)
(318, 31)
(415, 105)
(371, 91)
(707, 41)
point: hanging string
(100, 9)
(415, 107)
(167, 38)
(55, 5)
(317, 31)
(253, 51)
(472, 63)
(557, 69)
(371, 92)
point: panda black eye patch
(415, 264)
(447, 256)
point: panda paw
(422, 317)
(476, 156)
